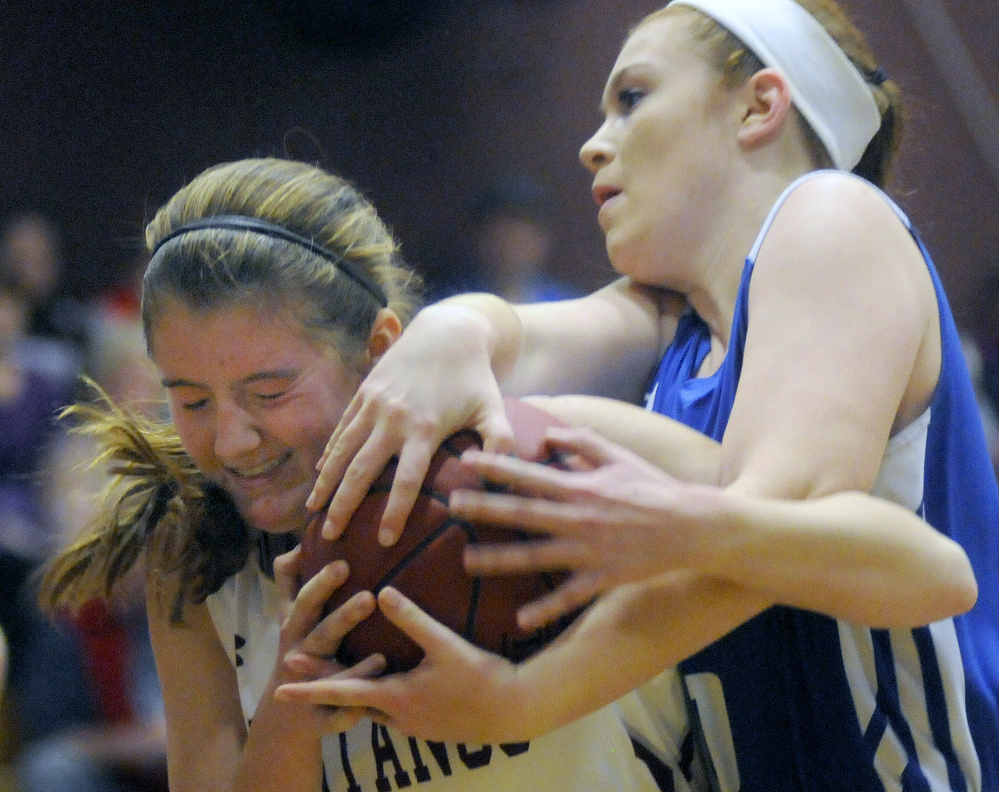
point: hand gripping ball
(426, 563)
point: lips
(602, 194)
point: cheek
(195, 436)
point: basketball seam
(418, 548)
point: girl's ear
(385, 331)
(766, 110)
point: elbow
(954, 591)
(966, 586)
(958, 589)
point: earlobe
(385, 332)
(768, 105)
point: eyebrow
(614, 84)
(256, 377)
(611, 89)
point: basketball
(426, 563)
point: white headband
(826, 87)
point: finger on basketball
(496, 431)
(354, 479)
(529, 478)
(368, 668)
(408, 617)
(527, 513)
(578, 591)
(585, 443)
(325, 637)
(286, 574)
(414, 461)
(525, 556)
(312, 597)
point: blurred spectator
(508, 244)
(56, 335)
(28, 401)
(123, 301)
(110, 736)
(95, 721)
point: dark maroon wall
(106, 108)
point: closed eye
(195, 405)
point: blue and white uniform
(793, 700)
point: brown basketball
(426, 563)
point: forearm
(680, 451)
(605, 343)
(485, 320)
(208, 747)
(282, 752)
(850, 555)
(639, 630)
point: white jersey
(593, 754)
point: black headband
(244, 223)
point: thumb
(405, 614)
(495, 430)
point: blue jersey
(793, 700)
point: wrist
(487, 320)
(721, 532)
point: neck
(736, 222)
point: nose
(236, 433)
(597, 151)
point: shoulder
(840, 229)
(833, 202)
(840, 270)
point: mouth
(602, 194)
(249, 473)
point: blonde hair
(157, 503)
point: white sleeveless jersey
(593, 754)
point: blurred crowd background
(460, 119)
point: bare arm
(447, 371)
(209, 748)
(671, 446)
(461, 693)
(205, 729)
(762, 551)
(619, 520)
(843, 349)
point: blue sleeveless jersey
(793, 700)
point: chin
(278, 520)
(622, 263)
